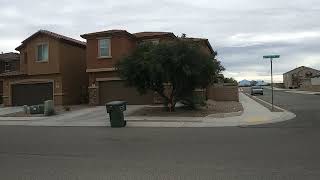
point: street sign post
(271, 57)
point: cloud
(246, 39)
(242, 31)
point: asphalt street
(305, 106)
(288, 150)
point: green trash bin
(115, 110)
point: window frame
(109, 47)
(154, 41)
(7, 64)
(37, 52)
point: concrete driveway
(90, 116)
(253, 113)
(10, 110)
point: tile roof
(199, 40)
(301, 67)
(151, 34)
(11, 56)
(56, 36)
(108, 32)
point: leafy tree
(180, 63)
(230, 80)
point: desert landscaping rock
(211, 108)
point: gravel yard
(212, 107)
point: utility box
(115, 110)
(48, 108)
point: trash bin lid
(112, 103)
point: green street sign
(271, 56)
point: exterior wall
(31, 66)
(204, 48)
(55, 78)
(223, 93)
(315, 81)
(66, 68)
(159, 38)
(116, 90)
(315, 88)
(93, 89)
(73, 72)
(302, 80)
(93, 77)
(287, 80)
(314, 85)
(305, 83)
(1, 91)
(278, 85)
(120, 47)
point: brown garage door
(31, 94)
(116, 90)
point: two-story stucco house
(299, 77)
(52, 67)
(105, 49)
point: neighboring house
(9, 62)
(315, 80)
(52, 67)
(315, 83)
(299, 77)
(105, 49)
(204, 44)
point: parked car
(256, 90)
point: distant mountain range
(244, 82)
(248, 83)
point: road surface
(288, 150)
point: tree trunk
(171, 104)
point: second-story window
(153, 41)
(104, 48)
(42, 52)
(7, 66)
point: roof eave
(156, 36)
(210, 47)
(103, 33)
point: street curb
(285, 117)
(224, 115)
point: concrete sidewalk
(253, 114)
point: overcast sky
(242, 31)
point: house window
(104, 48)
(153, 41)
(42, 52)
(7, 67)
